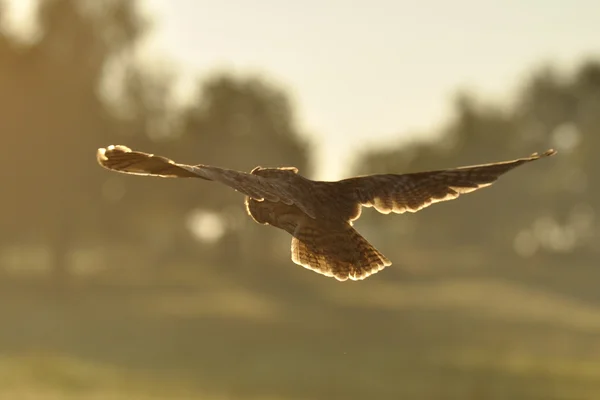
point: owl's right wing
(413, 192)
(124, 160)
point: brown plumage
(319, 214)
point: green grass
(214, 338)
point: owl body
(324, 195)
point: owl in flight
(319, 214)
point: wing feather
(412, 192)
(124, 160)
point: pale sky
(368, 72)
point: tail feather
(341, 252)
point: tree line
(57, 202)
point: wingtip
(103, 153)
(547, 153)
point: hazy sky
(368, 72)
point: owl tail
(340, 252)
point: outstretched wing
(124, 160)
(413, 192)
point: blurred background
(122, 287)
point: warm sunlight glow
(356, 86)
(19, 19)
(206, 226)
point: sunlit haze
(375, 71)
(118, 284)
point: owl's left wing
(122, 159)
(413, 192)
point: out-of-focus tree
(77, 86)
(564, 110)
(52, 119)
(234, 122)
(240, 123)
(548, 205)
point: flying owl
(319, 214)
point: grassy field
(213, 338)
